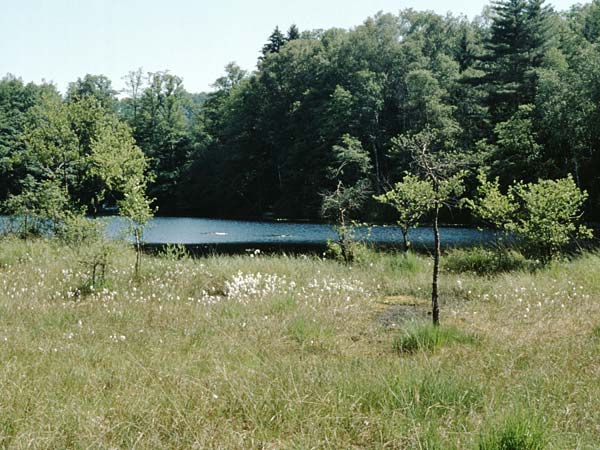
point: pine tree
(465, 53)
(293, 33)
(515, 48)
(276, 41)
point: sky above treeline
(61, 40)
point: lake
(202, 235)
(232, 234)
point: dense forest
(517, 89)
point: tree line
(515, 92)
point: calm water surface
(189, 231)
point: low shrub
(353, 252)
(484, 261)
(91, 248)
(174, 252)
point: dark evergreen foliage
(514, 50)
(293, 33)
(276, 41)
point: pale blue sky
(61, 40)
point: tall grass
(290, 352)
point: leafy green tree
(444, 185)
(279, 126)
(52, 146)
(116, 160)
(545, 215)
(577, 27)
(16, 101)
(135, 206)
(426, 105)
(517, 154)
(412, 198)
(349, 170)
(234, 74)
(123, 168)
(568, 117)
(368, 102)
(130, 105)
(163, 133)
(467, 49)
(271, 136)
(81, 150)
(39, 208)
(59, 143)
(235, 174)
(97, 86)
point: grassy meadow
(295, 352)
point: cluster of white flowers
(117, 337)
(246, 286)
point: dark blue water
(190, 231)
(215, 232)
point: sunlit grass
(292, 352)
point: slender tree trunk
(342, 232)
(138, 252)
(435, 307)
(377, 168)
(405, 239)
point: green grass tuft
(427, 337)
(519, 432)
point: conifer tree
(293, 33)
(515, 49)
(276, 41)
